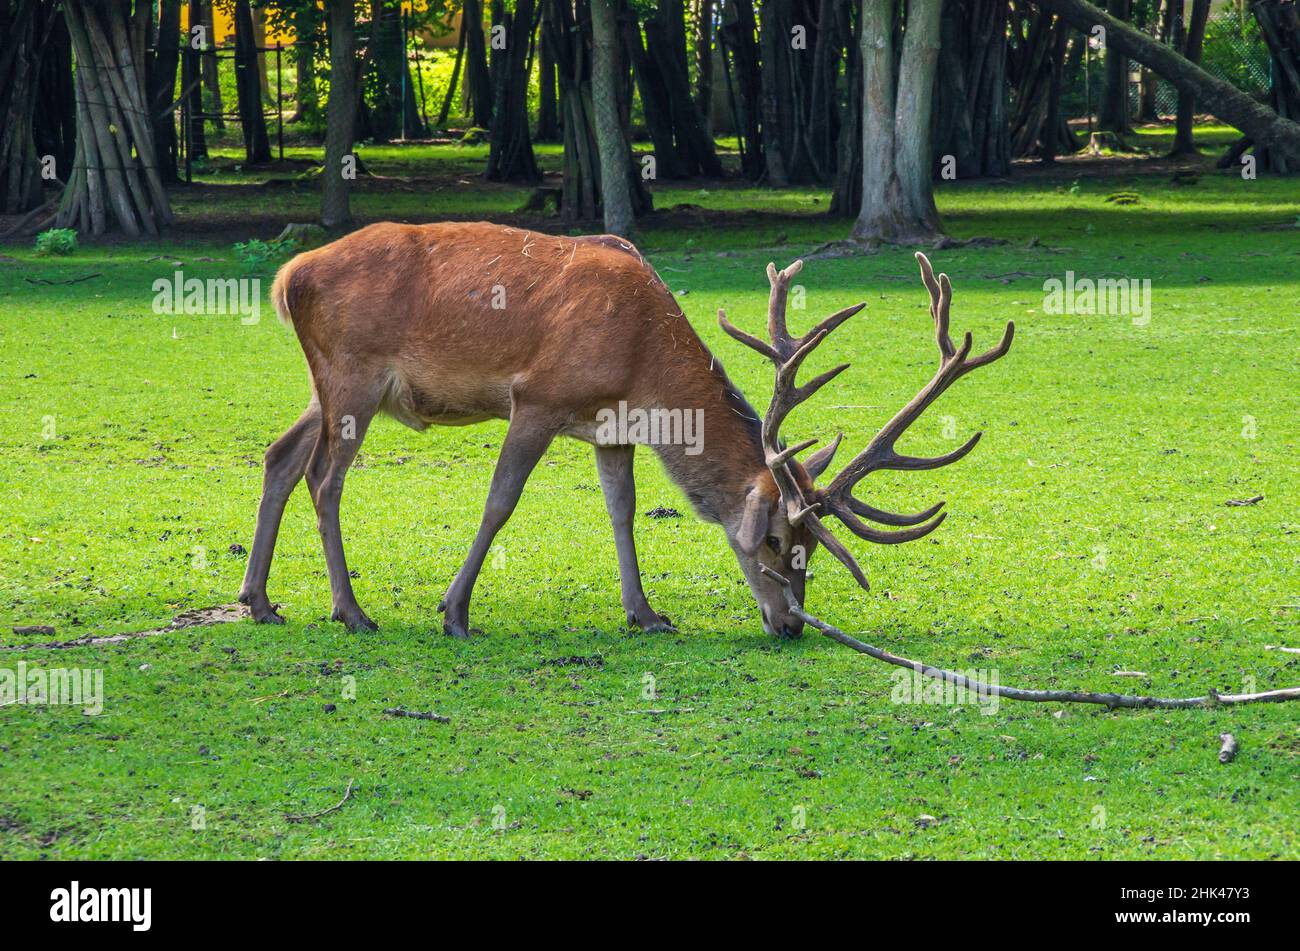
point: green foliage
(56, 242)
(1235, 50)
(254, 254)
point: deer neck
(717, 465)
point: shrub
(57, 242)
(255, 253)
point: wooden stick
(1112, 700)
(417, 715)
(325, 812)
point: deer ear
(753, 523)
(820, 459)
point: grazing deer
(457, 323)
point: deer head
(783, 518)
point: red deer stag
(456, 323)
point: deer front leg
(528, 437)
(618, 482)
(343, 426)
(286, 461)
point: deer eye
(774, 543)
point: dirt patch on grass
(195, 617)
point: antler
(788, 353)
(838, 499)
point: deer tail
(282, 293)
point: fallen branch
(1112, 700)
(49, 283)
(325, 812)
(416, 715)
(1253, 500)
(41, 212)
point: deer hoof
(456, 629)
(260, 609)
(268, 616)
(651, 623)
(355, 620)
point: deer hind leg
(286, 461)
(344, 419)
(614, 464)
(527, 439)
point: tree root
(1111, 700)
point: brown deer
(457, 323)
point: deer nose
(792, 629)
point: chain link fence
(1234, 51)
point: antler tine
(954, 362)
(834, 320)
(993, 353)
(748, 340)
(862, 530)
(836, 548)
(788, 354)
(940, 303)
(776, 327)
(891, 518)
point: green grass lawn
(1088, 535)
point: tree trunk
(846, 196)
(682, 146)
(1036, 68)
(971, 106)
(615, 160)
(666, 44)
(1113, 116)
(774, 53)
(194, 65)
(306, 29)
(704, 64)
(109, 183)
(395, 114)
(510, 157)
(162, 85)
(916, 81)
(562, 32)
(340, 117)
(210, 69)
(897, 195)
(54, 125)
(259, 40)
(1280, 24)
(548, 116)
(741, 57)
(1184, 143)
(252, 121)
(478, 82)
(1218, 97)
(448, 99)
(655, 106)
(20, 55)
